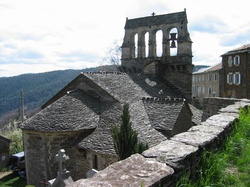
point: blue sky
(39, 36)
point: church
(79, 118)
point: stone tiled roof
(72, 112)
(163, 114)
(130, 88)
(96, 102)
(101, 140)
(197, 114)
(156, 20)
(242, 49)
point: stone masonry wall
(211, 106)
(40, 150)
(165, 163)
(5, 152)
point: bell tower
(174, 65)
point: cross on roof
(61, 157)
(153, 14)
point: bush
(125, 138)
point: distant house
(236, 71)
(5, 151)
(206, 82)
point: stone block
(196, 138)
(133, 171)
(175, 154)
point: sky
(45, 35)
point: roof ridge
(160, 100)
(105, 72)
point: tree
(125, 138)
(113, 54)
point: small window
(230, 61)
(216, 76)
(237, 60)
(230, 78)
(210, 77)
(209, 91)
(193, 88)
(94, 162)
(237, 78)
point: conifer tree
(125, 138)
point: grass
(12, 180)
(230, 165)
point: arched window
(173, 35)
(136, 45)
(159, 37)
(146, 37)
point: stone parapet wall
(165, 163)
(212, 105)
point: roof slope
(130, 88)
(97, 103)
(101, 139)
(241, 49)
(215, 67)
(156, 20)
(163, 113)
(72, 112)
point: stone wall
(41, 149)
(165, 163)
(211, 106)
(5, 151)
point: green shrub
(125, 138)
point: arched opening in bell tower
(173, 36)
(146, 38)
(136, 45)
(159, 38)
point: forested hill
(37, 88)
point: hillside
(37, 89)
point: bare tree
(113, 54)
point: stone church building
(80, 117)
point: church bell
(173, 36)
(173, 39)
(172, 44)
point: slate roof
(156, 20)
(241, 49)
(72, 112)
(163, 114)
(130, 88)
(197, 114)
(96, 102)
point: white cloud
(48, 35)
